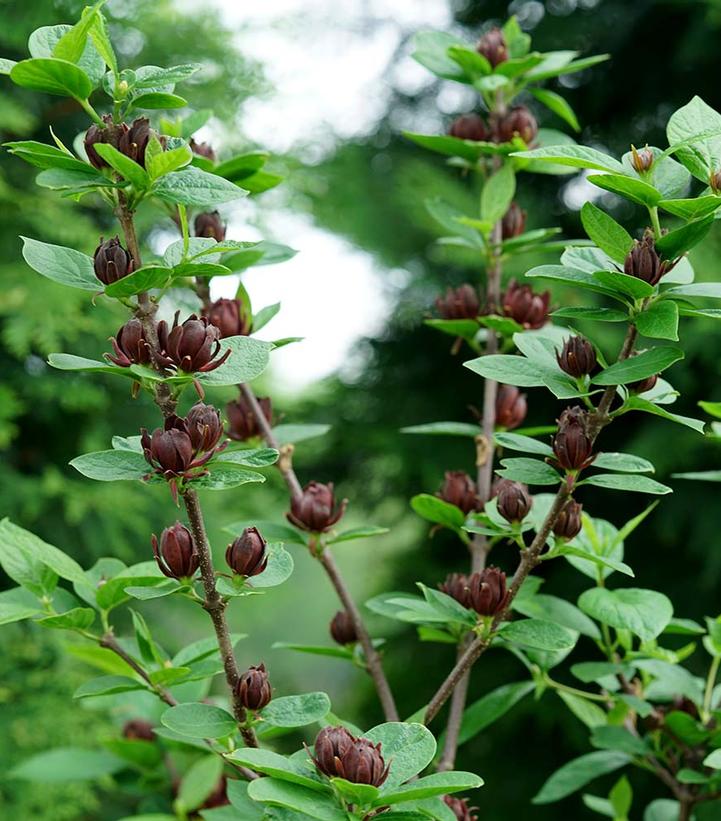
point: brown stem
(686, 808)
(600, 418)
(455, 720)
(372, 659)
(215, 605)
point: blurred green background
(366, 186)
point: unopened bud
(246, 555)
(641, 160)
(577, 357)
(492, 46)
(511, 407)
(513, 222)
(513, 501)
(469, 127)
(459, 303)
(111, 261)
(517, 122)
(253, 688)
(342, 628)
(572, 446)
(176, 553)
(569, 523)
(487, 592)
(460, 490)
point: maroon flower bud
(643, 261)
(513, 222)
(459, 807)
(342, 628)
(459, 303)
(577, 357)
(202, 150)
(204, 427)
(511, 407)
(242, 423)
(134, 140)
(107, 133)
(715, 181)
(641, 160)
(498, 484)
(170, 452)
(572, 446)
(176, 554)
(492, 46)
(210, 225)
(137, 729)
(338, 754)
(513, 501)
(469, 127)
(191, 346)
(315, 509)
(111, 261)
(230, 317)
(130, 345)
(460, 490)
(246, 555)
(643, 385)
(456, 586)
(568, 524)
(253, 688)
(517, 122)
(487, 593)
(524, 306)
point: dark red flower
(134, 139)
(253, 688)
(137, 729)
(204, 427)
(111, 261)
(469, 127)
(338, 754)
(511, 407)
(460, 808)
(459, 303)
(513, 501)
(577, 357)
(315, 509)
(210, 225)
(644, 262)
(202, 150)
(246, 554)
(242, 423)
(130, 345)
(192, 346)
(176, 553)
(517, 122)
(643, 385)
(108, 133)
(568, 524)
(230, 317)
(342, 628)
(572, 446)
(526, 307)
(460, 490)
(492, 46)
(456, 586)
(487, 593)
(514, 221)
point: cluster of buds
(569, 523)
(253, 689)
(111, 261)
(315, 509)
(342, 628)
(460, 490)
(130, 345)
(210, 225)
(242, 424)
(577, 357)
(511, 407)
(643, 260)
(176, 552)
(513, 501)
(524, 306)
(230, 317)
(131, 140)
(338, 754)
(459, 807)
(191, 346)
(459, 303)
(513, 222)
(246, 555)
(181, 448)
(572, 446)
(516, 122)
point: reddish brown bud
(572, 446)
(641, 160)
(342, 628)
(170, 452)
(246, 555)
(130, 345)
(111, 261)
(487, 593)
(513, 501)
(643, 385)
(315, 509)
(241, 419)
(204, 427)
(210, 225)
(459, 303)
(643, 261)
(459, 807)
(253, 688)
(521, 304)
(202, 150)
(176, 554)
(568, 524)
(469, 127)
(108, 134)
(331, 744)
(230, 317)
(460, 490)
(137, 729)
(492, 46)
(511, 407)
(134, 139)
(192, 346)
(577, 357)
(338, 754)
(513, 222)
(456, 586)
(517, 122)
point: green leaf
(599, 314)
(154, 76)
(42, 155)
(624, 284)
(408, 747)
(638, 367)
(248, 359)
(662, 810)
(557, 104)
(277, 766)
(690, 122)
(79, 618)
(677, 242)
(315, 649)
(606, 232)
(52, 76)
(67, 764)
(618, 738)
(17, 544)
(438, 511)
(191, 186)
(296, 711)
(249, 457)
(574, 156)
(507, 369)
(430, 49)
(559, 611)
(631, 189)
(575, 276)
(452, 220)
(624, 462)
(68, 362)
(287, 434)
(692, 209)
(529, 471)
(199, 782)
(622, 481)
(11, 611)
(659, 321)
(127, 168)
(164, 162)
(226, 476)
(538, 634)
(158, 99)
(435, 784)
(358, 533)
(72, 44)
(698, 289)
(199, 720)
(498, 193)
(144, 279)
(491, 707)
(713, 760)
(474, 64)
(74, 180)
(527, 444)
(464, 328)
(641, 404)
(110, 465)
(444, 429)
(307, 802)
(587, 712)
(578, 773)
(43, 41)
(64, 265)
(644, 612)
(558, 63)
(107, 685)
(469, 150)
